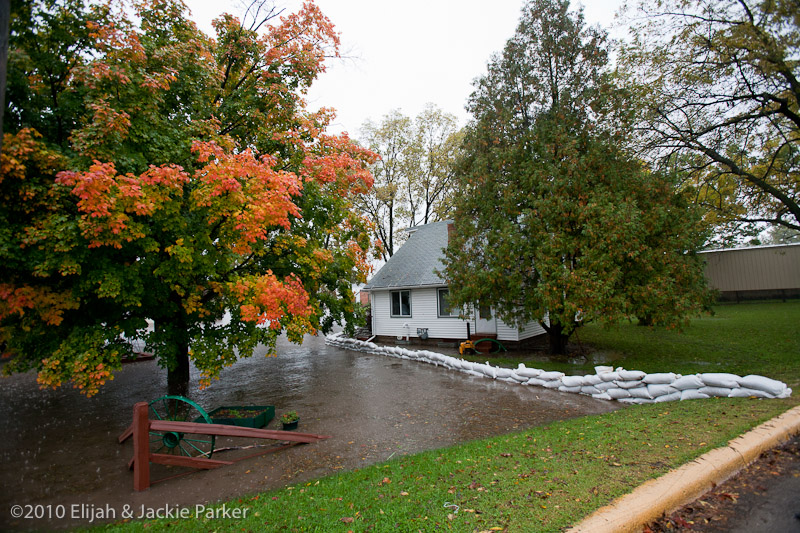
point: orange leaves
(48, 304)
(339, 161)
(246, 192)
(87, 372)
(266, 300)
(301, 40)
(109, 201)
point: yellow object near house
(466, 345)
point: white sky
(405, 53)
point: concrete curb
(679, 487)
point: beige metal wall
(754, 269)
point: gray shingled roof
(413, 265)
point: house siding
(424, 314)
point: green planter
(250, 416)
(290, 426)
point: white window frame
(400, 304)
(453, 312)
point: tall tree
(719, 89)
(413, 178)
(152, 172)
(436, 144)
(390, 139)
(554, 221)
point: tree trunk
(178, 376)
(558, 341)
(5, 18)
(178, 370)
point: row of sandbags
(629, 386)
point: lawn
(549, 477)
(747, 338)
(542, 479)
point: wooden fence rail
(142, 457)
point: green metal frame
(174, 442)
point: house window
(444, 304)
(485, 312)
(401, 303)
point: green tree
(390, 139)
(151, 172)
(554, 221)
(719, 92)
(414, 175)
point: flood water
(60, 448)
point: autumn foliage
(154, 173)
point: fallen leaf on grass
(347, 519)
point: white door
(485, 321)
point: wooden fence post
(141, 447)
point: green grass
(542, 479)
(747, 338)
(549, 477)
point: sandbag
(552, 384)
(630, 375)
(719, 392)
(564, 388)
(691, 381)
(528, 372)
(640, 392)
(692, 394)
(602, 396)
(628, 384)
(573, 381)
(592, 379)
(618, 394)
(657, 390)
(636, 400)
(609, 376)
(744, 392)
(590, 390)
(547, 376)
(660, 378)
(720, 379)
(536, 381)
(502, 373)
(605, 385)
(762, 383)
(672, 397)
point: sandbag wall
(628, 386)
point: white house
(408, 299)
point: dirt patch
(764, 497)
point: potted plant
(289, 420)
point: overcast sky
(405, 53)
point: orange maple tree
(192, 188)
